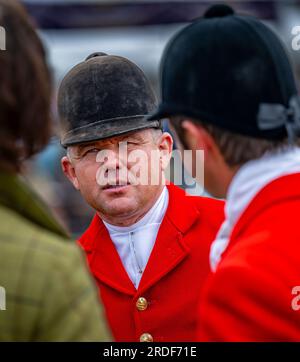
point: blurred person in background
(228, 88)
(148, 244)
(49, 295)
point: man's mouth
(116, 187)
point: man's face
(109, 172)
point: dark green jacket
(49, 295)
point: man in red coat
(148, 244)
(238, 102)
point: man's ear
(69, 171)
(165, 147)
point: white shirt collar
(248, 181)
(134, 243)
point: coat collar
(169, 249)
(278, 191)
(16, 195)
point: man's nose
(113, 159)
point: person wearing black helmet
(143, 244)
(228, 88)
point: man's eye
(91, 150)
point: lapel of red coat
(169, 249)
(103, 258)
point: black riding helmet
(104, 96)
(230, 71)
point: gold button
(142, 303)
(146, 337)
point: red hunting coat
(164, 307)
(253, 295)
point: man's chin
(120, 205)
